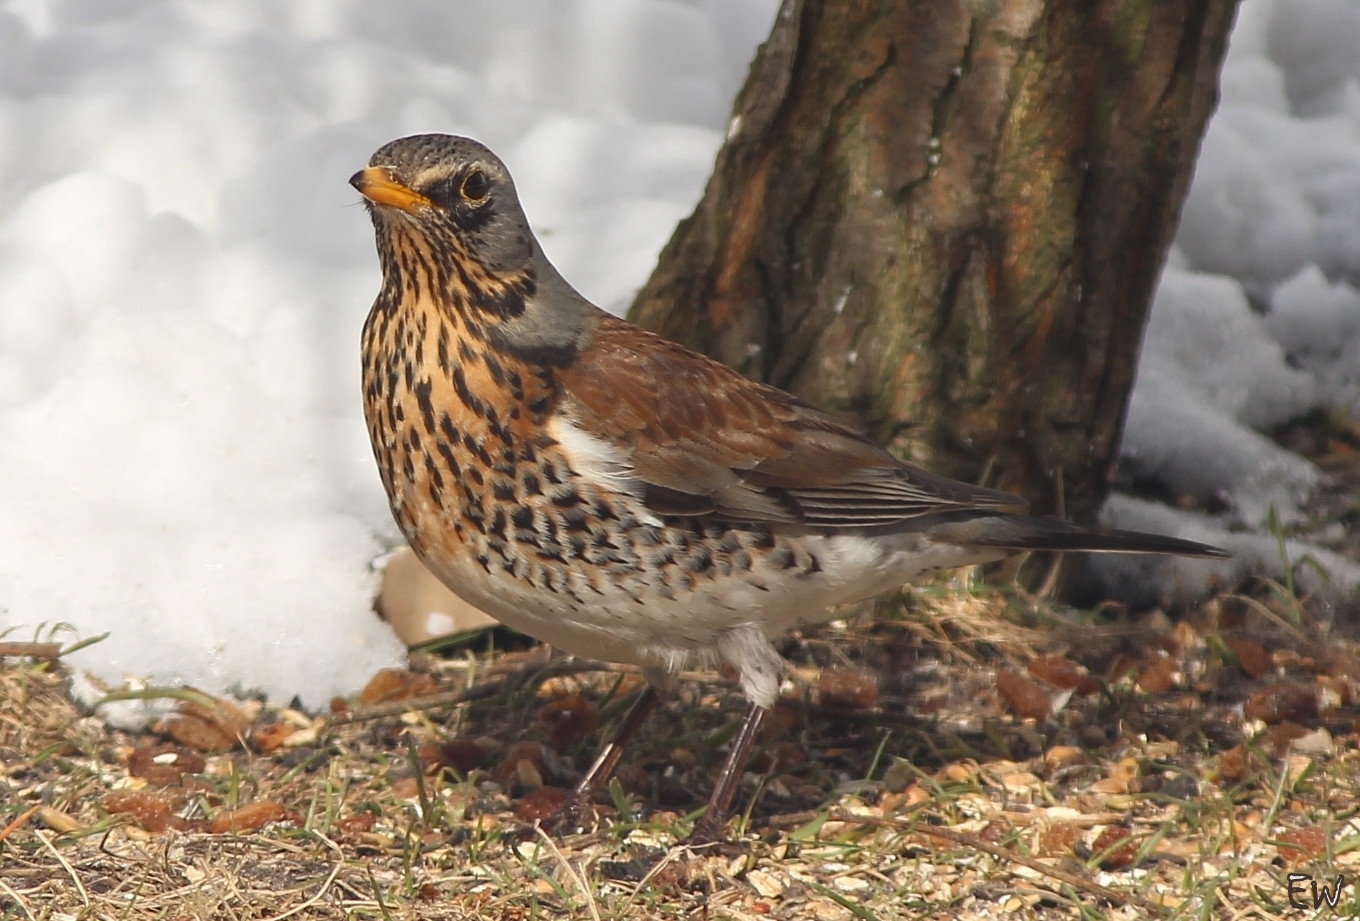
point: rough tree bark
(946, 218)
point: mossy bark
(946, 218)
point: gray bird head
(450, 227)
(446, 186)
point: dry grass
(900, 784)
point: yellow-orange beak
(377, 185)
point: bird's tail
(1024, 532)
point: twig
(1076, 882)
(427, 702)
(325, 886)
(1001, 853)
(14, 896)
(571, 871)
(31, 650)
(493, 686)
(70, 871)
(13, 826)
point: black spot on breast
(549, 471)
(546, 580)
(475, 447)
(493, 367)
(466, 396)
(446, 428)
(497, 525)
(506, 303)
(422, 392)
(503, 490)
(503, 433)
(452, 465)
(575, 520)
(445, 364)
(697, 562)
(436, 476)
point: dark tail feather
(1022, 533)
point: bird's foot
(573, 815)
(704, 834)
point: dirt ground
(965, 753)
(950, 761)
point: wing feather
(708, 442)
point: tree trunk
(946, 219)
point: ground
(967, 753)
(960, 751)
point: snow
(184, 270)
(1317, 323)
(1257, 317)
(1194, 417)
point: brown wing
(707, 441)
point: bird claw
(703, 835)
(574, 815)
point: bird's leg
(608, 758)
(710, 825)
(575, 812)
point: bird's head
(451, 231)
(440, 198)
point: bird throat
(455, 417)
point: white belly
(640, 622)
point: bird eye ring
(475, 186)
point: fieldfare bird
(613, 493)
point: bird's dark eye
(475, 186)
